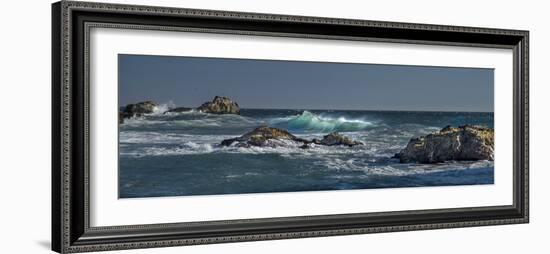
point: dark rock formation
(450, 143)
(273, 137)
(136, 110)
(178, 110)
(263, 136)
(336, 139)
(220, 105)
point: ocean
(178, 154)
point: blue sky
(190, 81)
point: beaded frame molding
(71, 23)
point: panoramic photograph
(211, 126)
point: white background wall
(25, 125)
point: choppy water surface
(177, 154)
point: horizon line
(388, 110)
(324, 109)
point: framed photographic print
(181, 126)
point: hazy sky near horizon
(190, 81)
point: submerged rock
(220, 105)
(178, 110)
(450, 143)
(136, 110)
(335, 139)
(273, 137)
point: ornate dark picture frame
(71, 22)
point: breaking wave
(308, 121)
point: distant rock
(140, 108)
(336, 139)
(273, 137)
(178, 110)
(450, 143)
(220, 105)
(136, 110)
